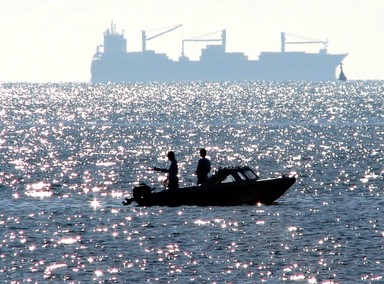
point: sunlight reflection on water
(69, 153)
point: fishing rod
(307, 189)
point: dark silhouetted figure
(173, 180)
(203, 167)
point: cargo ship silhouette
(112, 62)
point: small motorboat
(227, 187)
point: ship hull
(271, 66)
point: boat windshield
(228, 179)
(250, 174)
(241, 176)
(229, 175)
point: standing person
(173, 180)
(203, 167)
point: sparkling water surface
(70, 153)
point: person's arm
(161, 170)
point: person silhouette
(203, 167)
(173, 180)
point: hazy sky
(54, 40)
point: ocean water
(70, 153)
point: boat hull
(264, 191)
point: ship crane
(303, 41)
(144, 37)
(222, 39)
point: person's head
(203, 152)
(171, 156)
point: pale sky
(54, 40)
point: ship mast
(144, 37)
(303, 41)
(222, 39)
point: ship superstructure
(112, 62)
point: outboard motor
(141, 191)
